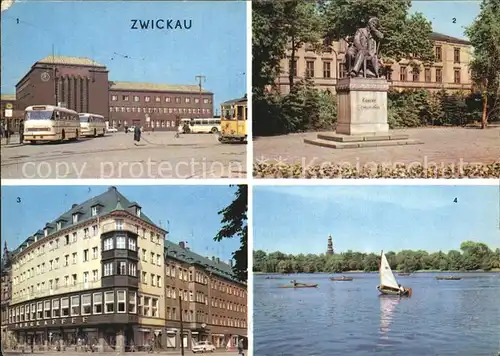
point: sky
(215, 46)
(299, 219)
(449, 17)
(190, 213)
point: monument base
(339, 141)
(362, 106)
(361, 117)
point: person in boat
(294, 283)
(401, 288)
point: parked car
(112, 129)
(203, 346)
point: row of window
(54, 284)
(120, 242)
(403, 76)
(171, 270)
(160, 110)
(87, 304)
(152, 123)
(438, 53)
(166, 99)
(88, 232)
(202, 317)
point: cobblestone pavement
(158, 155)
(441, 146)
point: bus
(234, 121)
(50, 123)
(92, 125)
(199, 125)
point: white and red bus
(50, 123)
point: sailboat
(388, 284)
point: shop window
(64, 307)
(75, 305)
(55, 308)
(132, 302)
(47, 309)
(109, 302)
(121, 301)
(86, 304)
(97, 305)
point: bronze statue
(362, 53)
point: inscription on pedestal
(369, 104)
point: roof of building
(234, 101)
(436, 36)
(220, 268)
(135, 86)
(8, 97)
(70, 61)
(109, 201)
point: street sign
(8, 112)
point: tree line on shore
(281, 27)
(472, 256)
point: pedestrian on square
(137, 134)
(21, 131)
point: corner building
(78, 279)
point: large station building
(103, 273)
(450, 71)
(83, 85)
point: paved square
(160, 155)
(441, 146)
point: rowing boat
(300, 285)
(343, 278)
(449, 278)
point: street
(159, 155)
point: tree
(475, 255)
(405, 36)
(302, 25)
(485, 65)
(234, 224)
(268, 43)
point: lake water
(350, 318)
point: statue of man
(365, 48)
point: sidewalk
(13, 141)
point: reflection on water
(445, 318)
(388, 305)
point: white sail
(387, 278)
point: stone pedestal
(361, 117)
(362, 106)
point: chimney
(74, 206)
(213, 258)
(182, 244)
(218, 260)
(231, 263)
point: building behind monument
(449, 72)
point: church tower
(329, 251)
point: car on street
(203, 346)
(112, 129)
